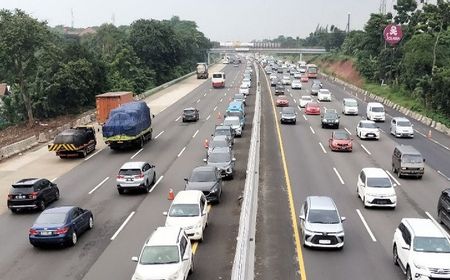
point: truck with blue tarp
(129, 125)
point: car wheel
(141, 142)
(74, 239)
(191, 269)
(147, 187)
(13, 210)
(91, 222)
(357, 192)
(154, 178)
(395, 255)
(41, 205)
(393, 169)
(57, 195)
(439, 218)
(419, 177)
(399, 174)
(121, 191)
(408, 274)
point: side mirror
(153, 115)
(423, 160)
(302, 217)
(205, 160)
(343, 219)
(394, 185)
(186, 179)
(134, 259)
(165, 213)
(233, 159)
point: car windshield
(219, 143)
(288, 110)
(379, 183)
(231, 122)
(378, 109)
(330, 116)
(412, 159)
(233, 114)
(306, 98)
(129, 172)
(222, 132)
(323, 217)
(238, 96)
(404, 123)
(219, 157)
(341, 135)
(351, 103)
(244, 87)
(431, 244)
(324, 92)
(189, 111)
(368, 125)
(184, 210)
(51, 218)
(203, 176)
(159, 255)
(217, 75)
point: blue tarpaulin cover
(129, 119)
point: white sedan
(305, 99)
(367, 129)
(324, 95)
(296, 84)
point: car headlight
(174, 276)
(136, 277)
(215, 189)
(336, 121)
(421, 267)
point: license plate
(46, 232)
(119, 142)
(129, 180)
(325, 242)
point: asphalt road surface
(106, 251)
(313, 169)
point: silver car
(320, 223)
(235, 124)
(137, 175)
(223, 160)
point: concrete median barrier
(10, 150)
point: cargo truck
(108, 101)
(129, 125)
(74, 142)
(202, 71)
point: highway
(123, 222)
(304, 165)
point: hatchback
(190, 114)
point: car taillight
(62, 230)
(10, 196)
(33, 232)
(120, 176)
(139, 176)
(33, 195)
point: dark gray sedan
(207, 180)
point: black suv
(443, 208)
(279, 89)
(32, 193)
(207, 180)
(330, 119)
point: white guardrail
(244, 258)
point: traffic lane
(275, 255)
(99, 218)
(130, 240)
(437, 155)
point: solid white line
(93, 154)
(295, 101)
(325, 108)
(323, 149)
(181, 152)
(365, 149)
(195, 134)
(304, 117)
(159, 134)
(348, 131)
(53, 180)
(318, 101)
(204, 94)
(312, 130)
(393, 178)
(221, 99)
(177, 119)
(198, 100)
(443, 175)
(366, 225)
(123, 225)
(215, 108)
(339, 175)
(156, 183)
(132, 157)
(207, 118)
(99, 185)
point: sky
(229, 20)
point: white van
(218, 80)
(375, 112)
(189, 211)
(349, 106)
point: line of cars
(420, 247)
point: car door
(403, 247)
(393, 126)
(185, 253)
(204, 211)
(303, 213)
(50, 190)
(77, 220)
(361, 184)
(44, 190)
(446, 210)
(145, 171)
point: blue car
(60, 226)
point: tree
(22, 39)
(404, 10)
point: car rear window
(51, 218)
(217, 75)
(189, 111)
(129, 172)
(203, 176)
(21, 189)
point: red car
(304, 78)
(282, 102)
(340, 141)
(312, 108)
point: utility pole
(382, 8)
(71, 17)
(348, 23)
(113, 19)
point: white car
(422, 250)
(167, 254)
(349, 106)
(189, 211)
(375, 188)
(244, 89)
(273, 76)
(297, 75)
(305, 99)
(235, 124)
(367, 130)
(324, 95)
(401, 127)
(136, 175)
(286, 80)
(296, 84)
(375, 111)
(246, 82)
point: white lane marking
(156, 183)
(437, 223)
(221, 99)
(318, 101)
(207, 118)
(195, 134)
(338, 175)
(323, 149)
(291, 94)
(312, 130)
(54, 179)
(443, 175)
(132, 157)
(325, 108)
(159, 134)
(198, 100)
(177, 119)
(225, 94)
(393, 178)
(366, 225)
(365, 149)
(215, 108)
(304, 117)
(99, 185)
(204, 94)
(415, 130)
(93, 154)
(295, 101)
(123, 225)
(181, 152)
(348, 131)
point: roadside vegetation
(54, 71)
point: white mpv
(375, 188)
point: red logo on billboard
(393, 34)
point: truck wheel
(141, 142)
(84, 153)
